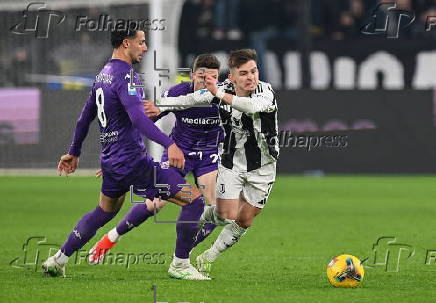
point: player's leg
(174, 188)
(84, 230)
(207, 185)
(137, 214)
(187, 228)
(253, 199)
(142, 211)
(229, 235)
(228, 188)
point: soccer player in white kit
(247, 168)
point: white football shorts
(255, 185)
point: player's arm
(134, 108)
(199, 97)
(69, 162)
(262, 102)
(157, 110)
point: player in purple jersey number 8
(123, 114)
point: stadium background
(330, 78)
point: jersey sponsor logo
(109, 137)
(201, 121)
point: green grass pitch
(282, 258)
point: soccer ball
(345, 271)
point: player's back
(196, 128)
(121, 144)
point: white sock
(113, 235)
(177, 260)
(61, 259)
(230, 234)
(206, 216)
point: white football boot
(185, 271)
(52, 268)
(203, 264)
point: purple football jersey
(196, 128)
(119, 108)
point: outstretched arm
(198, 98)
(261, 102)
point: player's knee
(226, 214)
(244, 222)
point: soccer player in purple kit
(197, 132)
(124, 161)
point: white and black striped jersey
(250, 138)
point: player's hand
(211, 84)
(150, 109)
(201, 96)
(67, 165)
(201, 83)
(175, 156)
(98, 173)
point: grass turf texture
(282, 258)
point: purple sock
(137, 214)
(204, 233)
(86, 229)
(186, 232)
